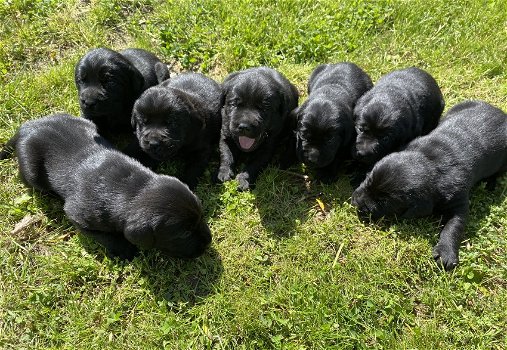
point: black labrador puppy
(109, 82)
(180, 118)
(107, 194)
(435, 173)
(255, 119)
(325, 129)
(402, 105)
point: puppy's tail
(9, 148)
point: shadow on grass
(287, 198)
(182, 281)
(170, 279)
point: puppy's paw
(446, 256)
(224, 174)
(243, 181)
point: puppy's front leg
(194, 169)
(329, 173)
(225, 172)
(446, 251)
(288, 156)
(115, 243)
(262, 158)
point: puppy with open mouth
(325, 129)
(402, 105)
(108, 83)
(108, 195)
(180, 118)
(435, 173)
(257, 102)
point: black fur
(325, 129)
(109, 82)
(435, 173)
(180, 118)
(257, 102)
(106, 194)
(402, 105)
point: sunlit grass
(282, 272)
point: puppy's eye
(264, 105)
(361, 129)
(107, 78)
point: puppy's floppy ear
(197, 119)
(288, 99)
(77, 71)
(135, 77)
(139, 233)
(133, 121)
(137, 80)
(420, 208)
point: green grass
(281, 273)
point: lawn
(291, 266)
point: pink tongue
(246, 142)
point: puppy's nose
(312, 155)
(363, 214)
(244, 127)
(360, 152)
(154, 142)
(88, 103)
